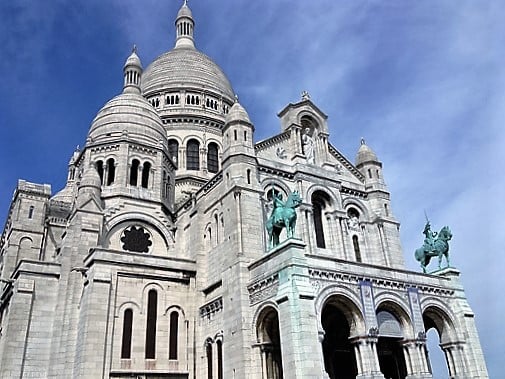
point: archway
(320, 204)
(438, 331)
(389, 347)
(339, 358)
(268, 334)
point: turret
(239, 160)
(238, 132)
(24, 230)
(370, 166)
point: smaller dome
(90, 179)
(365, 154)
(237, 113)
(133, 59)
(128, 115)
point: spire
(132, 71)
(184, 27)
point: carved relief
(264, 289)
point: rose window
(136, 239)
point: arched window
(99, 168)
(173, 150)
(248, 176)
(219, 345)
(193, 155)
(216, 222)
(357, 252)
(174, 331)
(212, 158)
(126, 343)
(145, 174)
(320, 201)
(111, 171)
(308, 122)
(208, 351)
(152, 305)
(30, 211)
(134, 171)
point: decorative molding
(276, 172)
(211, 183)
(344, 162)
(353, 192)
(272, 141)
(263, 289)
(105, 148)
(209, 309)
(142, 149)
(334, 276)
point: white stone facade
(154, 260)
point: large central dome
(185, 67)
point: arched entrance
(389, 347)
(338, 353)
(269, 340)
(438, 329)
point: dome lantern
(184, 26)
(132, 73)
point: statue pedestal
(447, 271)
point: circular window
(137, 239)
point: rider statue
(430, 236)
(434, 245)
(283, 215)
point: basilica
(182, 248)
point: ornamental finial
(305, 95)
(363, 141)
(134, 49)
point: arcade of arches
(349, 351)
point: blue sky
(423, 82)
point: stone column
(342, 237)
(455, 359)
(237, 194)
(320, 336)
(367, 359)
(409, 353)
(331, 230)
(139, 175)
(309, 229)
(203, 159)
(182, 157)
(385, 254)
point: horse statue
(435, 244)
(283, 215)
